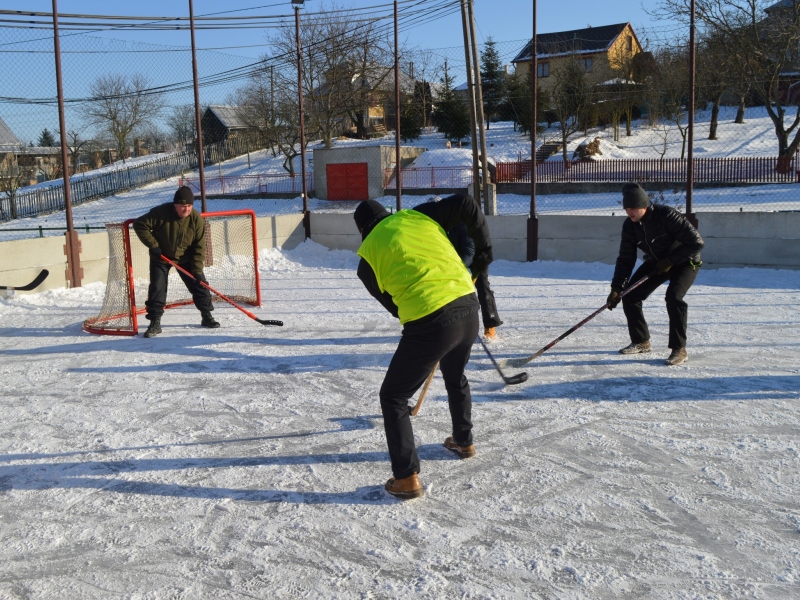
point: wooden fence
(669, 170)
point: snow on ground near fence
(753, 138)
(249, 461)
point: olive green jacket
(181, 240)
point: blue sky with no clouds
(501, 19)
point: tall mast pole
(197, 117)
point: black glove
(200, 277)
(613, 298)
(155, 252)
(663, 266)
(480, 262)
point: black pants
(680, 277)
(445, 336)
(157, 292)
(488, 304)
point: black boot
(154, 328)
(208, 320)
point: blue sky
(501, 19)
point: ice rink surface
(249, 462)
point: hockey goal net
(231, 268)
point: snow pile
(308, 255)
(605, 150)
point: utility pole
(306, 214)
(690, 216)
(533, 219)
(197, 118)
(72, 248)
(489, 207)
(476, 178)
(398, 170)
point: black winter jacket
(662, 233)
(182, 240)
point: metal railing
(430, 177)
(265, 183)
(669, 170)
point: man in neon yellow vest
(409, 265)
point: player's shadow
(647, 388)
(193, 354)
(108, 475)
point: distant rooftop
(7, 137)
(575, 41)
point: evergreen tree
(46, 139)
(410, 122)
(493, 81)
(451, 115)
(517, 104)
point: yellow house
(604, 52)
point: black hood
(367, 215)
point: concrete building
(357, 172)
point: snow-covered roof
(7, 137)
(589, 40)
(232, 117)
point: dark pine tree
(46, 139)
(493, 81)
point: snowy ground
(248, 462)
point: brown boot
(677, 357)
(490, 333)
(462, 451)
(406, 488)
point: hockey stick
(205, 285)
(31, 286)
(518, 362)
(424, 391)
(514, 379)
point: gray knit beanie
(633, 196)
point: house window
(543, 69)
(586, 63)
(629, 43)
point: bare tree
(256, 101)
(762, 38)
(12, 177)
(182, 124)
(343, 64)
(570, 99)
(120, 104)
(673, 83)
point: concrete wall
(23, 259)
(732, 239)
(770, 240)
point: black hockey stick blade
(31, 286)
(514, 379)
(270, 322)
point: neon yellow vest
(416, 264)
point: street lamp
(306, 217)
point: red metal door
(347, 181)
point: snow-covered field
(248, 462)
(755, 137)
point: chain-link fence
(611, 107)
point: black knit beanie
(184, 195)
(633, 196)
(367, 214)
